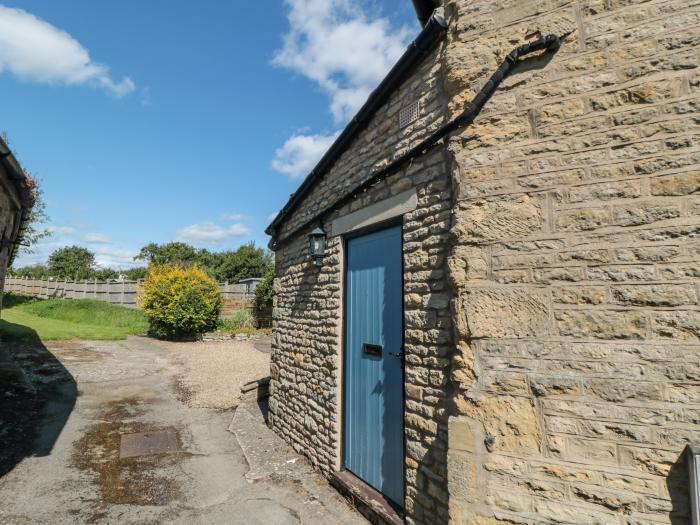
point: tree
(169, 253)
(35, 271)
(72, 262)
(247, 261)
(104, 274)
(33, 232)
(265, 291)
(134, 274)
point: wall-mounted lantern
(693, 456)
(317, 245)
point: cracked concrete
(69, 404)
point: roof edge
(25, 192)
(16, 174)
(416, 51)
(424, 9)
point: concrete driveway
(131, 432)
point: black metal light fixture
(317, 245)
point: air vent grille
(409, 114)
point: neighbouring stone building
(16, 200)
(551, 269)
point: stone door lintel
(381, 211)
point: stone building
(548, 249)
(16, 200)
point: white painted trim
(375, 213)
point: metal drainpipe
(549, 43)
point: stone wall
(551, 287)
(305, 386)
(576, 264)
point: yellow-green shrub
(179, 301)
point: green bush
(242, 319)
(11, 299)
(242, 322)
(265, 291)
(180, 302)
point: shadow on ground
(37, 396)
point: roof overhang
(23, 188)
(417, 50)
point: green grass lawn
(58, 319)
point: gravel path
(214, 372)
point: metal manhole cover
(145, 443)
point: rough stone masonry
(575, 264)
(552, 271)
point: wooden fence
(123, 293)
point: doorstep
(369, 502)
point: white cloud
(235, 217)
(97, 238)
(117, 258)
(347, 53)
(106, 254)
(299, 154)
(208, 233)
(61, 230)
(34, 50)
(40, 252)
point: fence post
(121, 299)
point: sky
(161, 120)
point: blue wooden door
(374, 404)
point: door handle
(398, 354)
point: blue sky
(159, 120)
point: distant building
(250, 283)
(16, 200)
(487, 291)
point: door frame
(382, 225)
